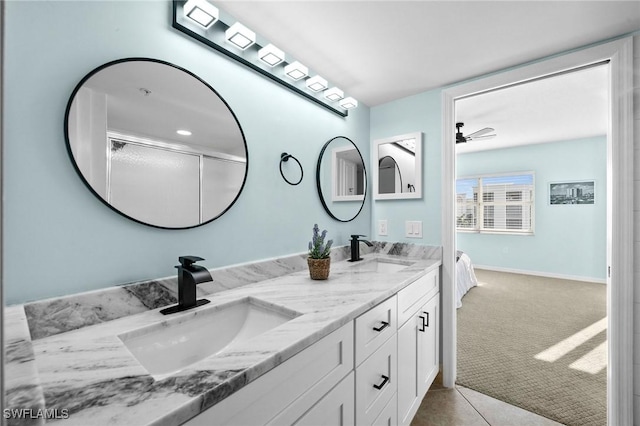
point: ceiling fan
(480, 134)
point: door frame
(620, 154)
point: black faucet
(189, 275)
(355, 247)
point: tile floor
(466, 407)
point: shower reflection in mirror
(156, 143)
(341, 179)
(399, 167)
(348, 173)
(194, 184)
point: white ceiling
(563, 107)
(379, 51)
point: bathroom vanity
(387, 357)
(360, 348)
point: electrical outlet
(382, 227)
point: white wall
(636, 263)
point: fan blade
(481, 132)
(475, 138)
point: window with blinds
(493, 203)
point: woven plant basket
(319, 268)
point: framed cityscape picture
(572, 192)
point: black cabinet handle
(385, 379)
(382, 327)
(424, 324)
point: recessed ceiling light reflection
(183, 132)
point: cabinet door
(428, 343)
(418, 360)
(337, 408)
(409, 390)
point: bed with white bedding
(465, 277)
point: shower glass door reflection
(154, 185)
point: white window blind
(502, 203)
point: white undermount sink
(385, 266)
(167, 347)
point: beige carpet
(537, 343)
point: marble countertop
(90, 375)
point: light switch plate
(413, 228)
(417, 229)
(382, 227)
(408, 227)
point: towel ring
(285, 157)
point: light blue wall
(569, 240)
(59, 239)
(418, 113)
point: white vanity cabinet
(374, 370)
(418, 343)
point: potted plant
(319, 259)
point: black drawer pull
(382, 327)
(385, 379)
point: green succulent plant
(317, 247)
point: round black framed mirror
(341, 179)
(156, 143)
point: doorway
(619, 211)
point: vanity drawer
(416, 294)
(376, 382)
(374, 327)
(288, 390)
(389, 414)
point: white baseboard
(542, 274)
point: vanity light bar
(296, 71)
(316, 83)
(196, 18)
(334, 94)
(271, 55)
(348, 103)
(201, 12)
(240, 36)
